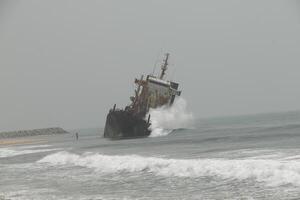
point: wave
(165, 119)
(47, 193)
(35, 146)
(271, 172)
(284, 127)
(10, 152)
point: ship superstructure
(151, 92)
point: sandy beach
(18, 141)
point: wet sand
(18, 141)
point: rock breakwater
(33, 132)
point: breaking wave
(268, 171)
(166, 119)
(10, 152)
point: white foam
(35, 146)
(165, 119)
(271, 172)
(25, 193)
(10, 152)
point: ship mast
(164, 66)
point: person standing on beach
(76, 136)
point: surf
(272, 172)
(17, 151)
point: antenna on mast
(164, 66)
(156, 61)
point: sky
(65, 63)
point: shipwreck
(134, 121)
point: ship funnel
(164, 66)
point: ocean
(243, 157)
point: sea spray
(167, 118)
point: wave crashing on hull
(269, 171)
(166, 119)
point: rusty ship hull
(121, 124)
(133, 121)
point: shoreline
(19, 141)
(34, 136)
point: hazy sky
(65, 63)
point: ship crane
(164, 66)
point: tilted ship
(133, 121)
